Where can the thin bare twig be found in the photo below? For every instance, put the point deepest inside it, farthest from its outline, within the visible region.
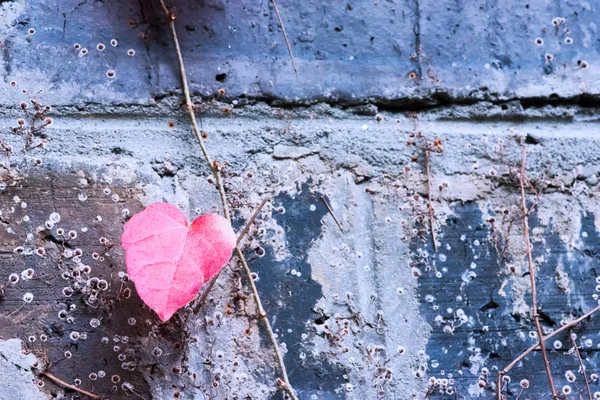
(68, 386)
(16, 311)
(430, 210)
(285, 36)
(202, 298)
(216, 170)
(262, 314)
(251, 220)
(330, 210)
(536, 315)
(520, 393)
(583, 371)
(535, 346)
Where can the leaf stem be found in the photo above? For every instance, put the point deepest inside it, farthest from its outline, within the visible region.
(216, 170)
(251, 220)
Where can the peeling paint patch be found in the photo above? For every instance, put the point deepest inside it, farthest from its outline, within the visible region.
(290, 294)
(478, 327)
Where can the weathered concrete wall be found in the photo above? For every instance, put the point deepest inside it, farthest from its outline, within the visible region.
(370, 312)
(348, 52)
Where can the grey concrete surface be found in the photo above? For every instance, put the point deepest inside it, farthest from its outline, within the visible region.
(18, 380)
(371, 311)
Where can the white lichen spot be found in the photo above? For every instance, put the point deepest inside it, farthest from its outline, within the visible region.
(54, 217)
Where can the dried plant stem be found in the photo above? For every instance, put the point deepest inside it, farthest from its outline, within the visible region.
(330, 210)
(430, 210)
(534, 308)
(499, 384)
(16, 311)
(520, 393)
(283, 384)
(535, 346)
(68, 386)
(583, 371)
(285, 36)
(251, 220)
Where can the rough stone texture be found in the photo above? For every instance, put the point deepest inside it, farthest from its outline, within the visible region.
(369, 311)
(17, 379)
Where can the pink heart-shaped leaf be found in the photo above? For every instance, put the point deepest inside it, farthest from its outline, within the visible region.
(168, 260)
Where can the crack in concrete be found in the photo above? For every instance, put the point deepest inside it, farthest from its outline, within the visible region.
(64, 30)
(574, 109)
(417, 33)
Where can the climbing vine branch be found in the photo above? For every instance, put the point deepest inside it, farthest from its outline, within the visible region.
(534, 308)
(283, 383)
(524, 184)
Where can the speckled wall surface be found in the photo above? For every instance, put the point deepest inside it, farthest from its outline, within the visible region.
(368, 311)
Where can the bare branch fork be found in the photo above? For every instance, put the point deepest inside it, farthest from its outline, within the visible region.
(524, 354)
(202, 298)
(283, 383)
